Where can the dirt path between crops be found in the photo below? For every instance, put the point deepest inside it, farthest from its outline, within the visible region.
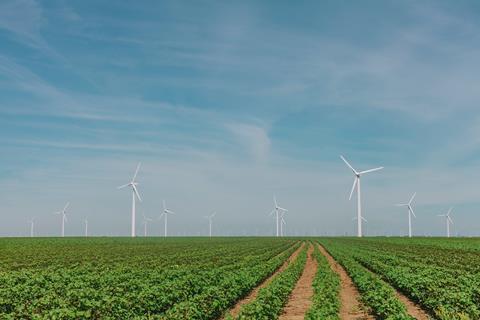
(300, 299)
(253, 295)
(412, 308)
(351, 307)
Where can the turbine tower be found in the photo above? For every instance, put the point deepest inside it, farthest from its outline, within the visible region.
(63, 213)
(448, 220)
(283, 224)
(32, 223)
(210, 218)
(410, 212)
(145, 224)
(133, 184)
(86, 228)
(356, 183)
(165, 213)
(277, 210)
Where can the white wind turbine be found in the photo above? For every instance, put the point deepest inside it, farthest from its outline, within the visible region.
(448, 220)
(283, 224)
(63, 213)
(86, 227)
(165, 213)
(356, 183)
(277, 210)
(410, 212)
(145, 224)
(133, 184)
(32, 224)
(210, 218)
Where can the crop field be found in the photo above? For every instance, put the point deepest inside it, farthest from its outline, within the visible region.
(239, 278)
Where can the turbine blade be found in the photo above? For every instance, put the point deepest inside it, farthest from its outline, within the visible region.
(66, 206)
(411, 210)
(136, 192)
(370, 170)
(364, 219)
(449, 211)
(353, 188)
(283, 209)
(136, 171)
(348, 164)
(272, 212)
(411, 199)
(450, 219)
(401, 204)
(123, 186)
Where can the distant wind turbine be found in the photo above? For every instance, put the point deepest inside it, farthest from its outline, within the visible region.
(277, 210)
(448, 220)
(356, 183)
(145, 224)
(210, 218)
(133, 184)
(410, 212)
(165, 213)
(86, 228)
(32, 223)
(63, 213)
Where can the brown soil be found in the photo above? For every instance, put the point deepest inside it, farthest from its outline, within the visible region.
(300, 299)
(253, 295)
(351, 306)
(412, 308)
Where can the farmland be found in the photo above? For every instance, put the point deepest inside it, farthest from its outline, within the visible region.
(238, 278)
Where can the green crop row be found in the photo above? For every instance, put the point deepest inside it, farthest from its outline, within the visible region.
(215, 299)
(449, 295)
(272, 298)
(126, 289)
(326, 286)
(375, 293)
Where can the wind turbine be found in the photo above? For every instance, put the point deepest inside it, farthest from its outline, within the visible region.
(282, 224)
(356, 183)
(86, 228)
(210, 217)
(448, 220)
(277, 210)
(145, 223)
(133, 184)
(165, 213)
(64, 217)
(410, 212)
(32, 223)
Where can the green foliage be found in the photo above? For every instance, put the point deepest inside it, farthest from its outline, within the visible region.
(326, 286)
(375, 293)
(272, 298)
(120, 278)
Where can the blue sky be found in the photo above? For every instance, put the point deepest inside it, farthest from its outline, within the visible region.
(227, 103)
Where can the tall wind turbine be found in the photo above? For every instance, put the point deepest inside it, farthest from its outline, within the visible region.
(356, 183)
(133, 184)
(410, 212)
(63, 213)
(210, 218)
(448, 220)
(86, 227)
(165, 213)
(277, 210)
(145, 224)
(32, 223)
